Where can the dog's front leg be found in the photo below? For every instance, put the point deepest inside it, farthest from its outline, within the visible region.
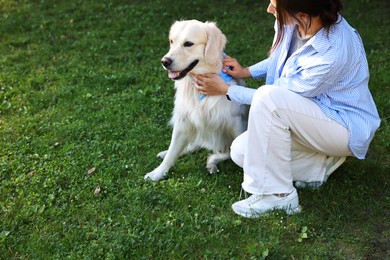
(178, 142)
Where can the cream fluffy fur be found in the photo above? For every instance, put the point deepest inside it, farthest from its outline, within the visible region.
(212, 122)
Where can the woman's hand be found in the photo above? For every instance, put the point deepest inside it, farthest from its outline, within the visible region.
(210, 84)
(234, 69)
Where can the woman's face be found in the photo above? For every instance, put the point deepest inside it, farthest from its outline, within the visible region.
(272, 10)
(272, 7)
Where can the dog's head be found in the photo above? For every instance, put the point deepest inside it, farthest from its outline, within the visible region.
(194, 46)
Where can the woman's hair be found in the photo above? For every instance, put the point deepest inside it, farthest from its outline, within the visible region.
(327, 10)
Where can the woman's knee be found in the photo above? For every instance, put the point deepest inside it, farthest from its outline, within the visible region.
(237, 150)
(270, 97)
(261, 99)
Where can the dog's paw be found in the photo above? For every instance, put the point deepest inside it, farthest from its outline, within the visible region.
(212, 168)
(155, 176)
(162, 154)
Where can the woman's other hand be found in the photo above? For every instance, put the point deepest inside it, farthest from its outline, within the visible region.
(234, 69)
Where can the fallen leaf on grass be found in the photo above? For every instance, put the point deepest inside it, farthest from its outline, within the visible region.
(97, 191)
(31, 174)
(92, 170)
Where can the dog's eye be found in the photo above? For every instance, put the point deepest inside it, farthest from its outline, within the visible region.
(188, 44)
(170, 41)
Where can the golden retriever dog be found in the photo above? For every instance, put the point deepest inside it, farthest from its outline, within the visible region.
(198, 121)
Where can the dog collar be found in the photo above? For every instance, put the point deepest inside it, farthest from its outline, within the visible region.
(226, 77)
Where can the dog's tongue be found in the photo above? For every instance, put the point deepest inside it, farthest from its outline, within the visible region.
(173, 74)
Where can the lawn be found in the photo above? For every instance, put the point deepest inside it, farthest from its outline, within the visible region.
(84, 110)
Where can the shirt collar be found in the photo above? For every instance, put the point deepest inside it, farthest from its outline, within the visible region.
(323, 40)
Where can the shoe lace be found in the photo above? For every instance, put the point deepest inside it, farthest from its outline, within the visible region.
(243, 192)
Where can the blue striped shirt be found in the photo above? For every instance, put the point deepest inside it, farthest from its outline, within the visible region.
(332, 70)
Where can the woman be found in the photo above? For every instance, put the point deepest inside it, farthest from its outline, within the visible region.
(314, 110)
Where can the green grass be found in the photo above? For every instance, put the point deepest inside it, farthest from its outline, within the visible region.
(81, 87)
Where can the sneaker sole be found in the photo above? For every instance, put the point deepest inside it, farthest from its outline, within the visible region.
(255, 214)
(311, 185)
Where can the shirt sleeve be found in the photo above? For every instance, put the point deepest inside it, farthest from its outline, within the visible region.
(259, 70)
(241, 95)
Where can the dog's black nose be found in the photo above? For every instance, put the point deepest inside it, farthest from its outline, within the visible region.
(166, 62)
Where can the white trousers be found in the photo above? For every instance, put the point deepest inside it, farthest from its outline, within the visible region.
(288, 139)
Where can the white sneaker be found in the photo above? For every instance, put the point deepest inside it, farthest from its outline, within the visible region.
(256, 205)
(332, 163)
(311, 184)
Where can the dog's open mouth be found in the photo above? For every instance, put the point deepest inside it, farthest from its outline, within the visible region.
(175, 75)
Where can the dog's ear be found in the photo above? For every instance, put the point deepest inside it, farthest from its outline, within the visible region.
(216, 42)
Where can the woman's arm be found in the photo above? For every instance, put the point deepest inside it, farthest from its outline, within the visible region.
(259, 70)
(241, 95)
(212, 84)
